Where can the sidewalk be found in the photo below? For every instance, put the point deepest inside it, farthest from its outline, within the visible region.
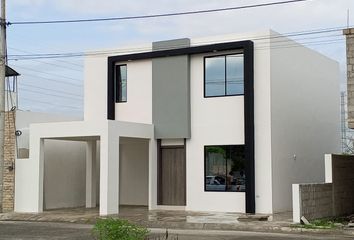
(178, 220)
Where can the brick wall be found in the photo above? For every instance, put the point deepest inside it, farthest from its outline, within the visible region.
(316, 200)
(349, 33)
(9, 160)
(343, 184)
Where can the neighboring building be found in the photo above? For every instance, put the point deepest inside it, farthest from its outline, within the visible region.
(224, 123)
(8, 143)
(349, 33)
(65, 161)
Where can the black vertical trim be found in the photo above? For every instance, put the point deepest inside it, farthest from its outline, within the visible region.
(117, 82)
(159, 169)
(185, 165)
(110, 90)
(249, 126)
(225, 76)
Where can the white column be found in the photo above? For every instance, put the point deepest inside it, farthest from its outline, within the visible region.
(41, 175)
(91, 174)
(109, 174)
(152, 174)
(296, 203)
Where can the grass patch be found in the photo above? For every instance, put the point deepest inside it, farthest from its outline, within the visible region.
(324, 223)
(114, 229)
(119, 229)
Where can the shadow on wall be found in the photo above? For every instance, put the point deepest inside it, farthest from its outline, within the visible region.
(64, 174)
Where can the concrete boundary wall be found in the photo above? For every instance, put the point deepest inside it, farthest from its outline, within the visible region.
(330, 199)
(313, 200)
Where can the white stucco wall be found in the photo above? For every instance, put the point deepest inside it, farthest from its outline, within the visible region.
(64, 164)
(95, 88)
(305, 105)
(138, 107)
(219, 121)
(212, 123)
(134, 172)
(95, 83)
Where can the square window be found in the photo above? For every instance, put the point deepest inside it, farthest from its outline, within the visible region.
(224, 75)
(225, 168)
(121, 83)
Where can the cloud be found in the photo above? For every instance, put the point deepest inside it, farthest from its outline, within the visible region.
(289, 17)
(78, 37)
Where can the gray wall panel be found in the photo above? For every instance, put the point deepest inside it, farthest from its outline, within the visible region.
(171, 93)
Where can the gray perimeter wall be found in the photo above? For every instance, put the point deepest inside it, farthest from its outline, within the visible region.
(316, 200)
(330, 199)
(343, 184)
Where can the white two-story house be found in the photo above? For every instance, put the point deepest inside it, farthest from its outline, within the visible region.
(224, 123)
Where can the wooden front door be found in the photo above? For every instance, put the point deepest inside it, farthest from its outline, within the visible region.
(172, 176)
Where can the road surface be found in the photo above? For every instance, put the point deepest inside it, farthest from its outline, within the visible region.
(63, 231)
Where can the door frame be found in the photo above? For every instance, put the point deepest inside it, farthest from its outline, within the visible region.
(159, 168)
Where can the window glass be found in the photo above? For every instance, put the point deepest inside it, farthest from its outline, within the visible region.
(234, 74)
(215, 76)
(224, 75)
(225, 168)
(121, 83)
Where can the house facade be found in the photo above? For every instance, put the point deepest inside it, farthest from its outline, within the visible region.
(224, 123)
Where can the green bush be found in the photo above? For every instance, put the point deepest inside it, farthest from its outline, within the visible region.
(118, 229)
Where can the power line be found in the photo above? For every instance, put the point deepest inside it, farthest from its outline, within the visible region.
(295, 45)
(52, 74)
(53, 80)
(53, 64)
(155, 15)
(49, 94)
(52, 104)
(126, 51)
(48, 89)
(56, 60)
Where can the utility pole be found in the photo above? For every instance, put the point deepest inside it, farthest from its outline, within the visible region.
(2, 93)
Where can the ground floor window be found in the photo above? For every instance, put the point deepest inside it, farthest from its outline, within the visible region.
(225, 168)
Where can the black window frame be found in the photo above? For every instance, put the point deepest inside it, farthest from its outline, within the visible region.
(205, 168)
(117, 84)
(204, 72)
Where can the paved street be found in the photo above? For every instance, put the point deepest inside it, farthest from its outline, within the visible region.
(44, 231)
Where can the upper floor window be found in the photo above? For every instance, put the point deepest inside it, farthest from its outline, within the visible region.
(223, 75)
(121, 83)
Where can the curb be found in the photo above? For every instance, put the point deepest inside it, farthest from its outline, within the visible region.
(261, 227)
(248, 228)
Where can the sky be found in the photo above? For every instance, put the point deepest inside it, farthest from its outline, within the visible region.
(56, 85)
